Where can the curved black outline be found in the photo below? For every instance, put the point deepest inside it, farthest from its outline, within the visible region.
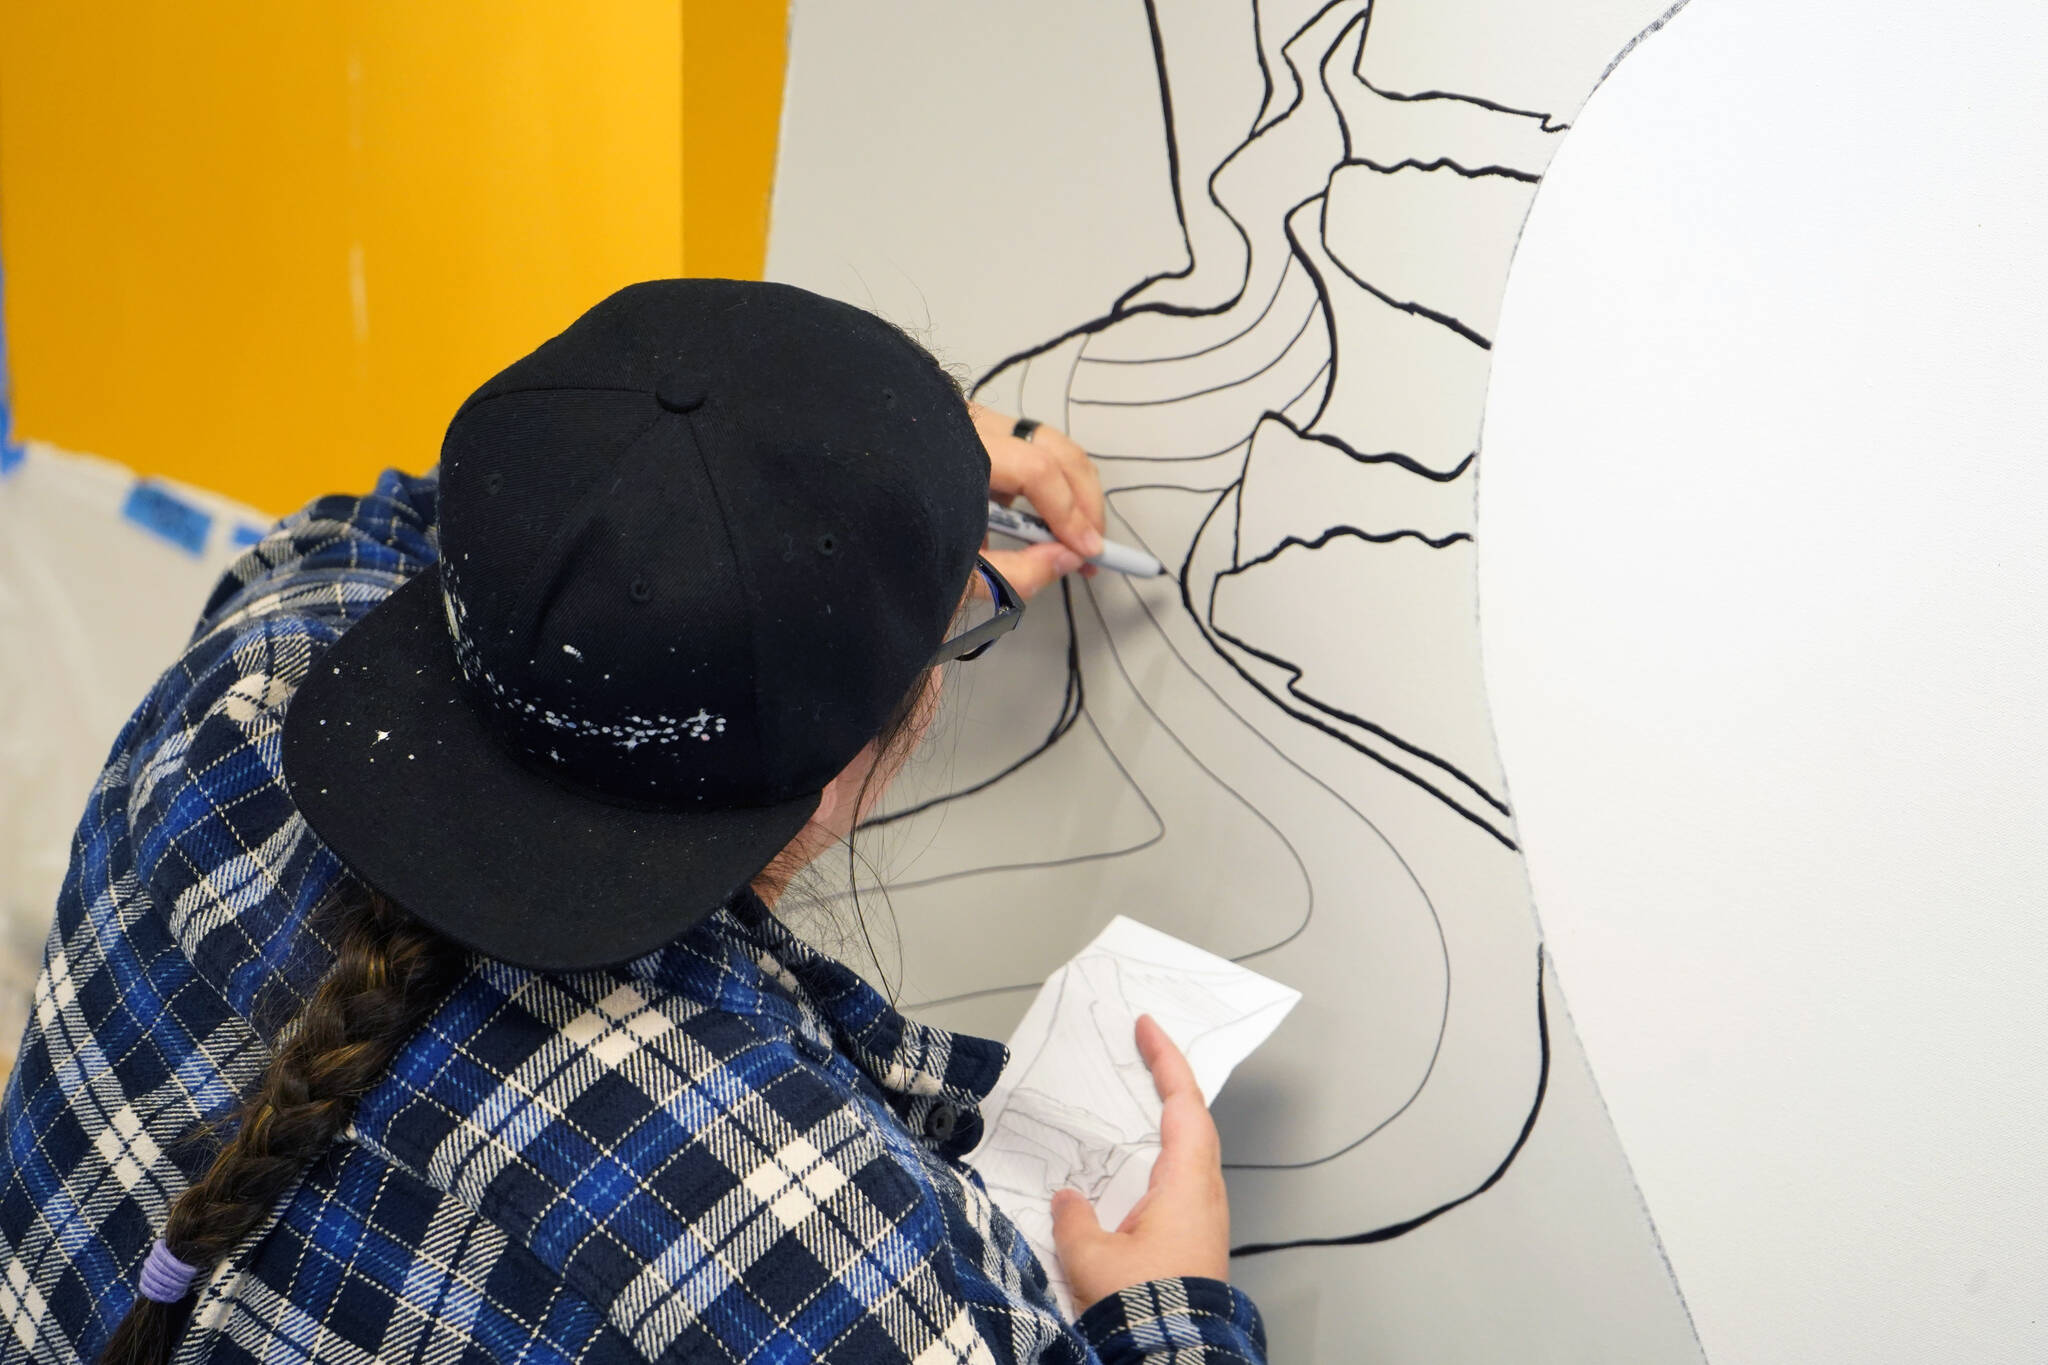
(1308, 914)
(1238, 567)
(1249, 328)
(1301, 866)
(1070, 711)
(1260, 121)
(1158, 833)
(1275, 414)
(1406, 462)
(1123, 307)
(1205, 622)
(1278, 356)
(1393, 1230)
(1128, 304)
(1410, 308)
(1544, 123)
(1428, 902)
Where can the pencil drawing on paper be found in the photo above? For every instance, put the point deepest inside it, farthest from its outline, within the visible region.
(1077, 1107)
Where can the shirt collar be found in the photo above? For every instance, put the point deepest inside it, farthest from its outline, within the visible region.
(933, 1079)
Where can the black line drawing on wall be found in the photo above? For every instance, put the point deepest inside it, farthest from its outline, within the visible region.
(1281, 751)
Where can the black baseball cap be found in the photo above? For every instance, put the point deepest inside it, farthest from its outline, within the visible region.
(695, 551)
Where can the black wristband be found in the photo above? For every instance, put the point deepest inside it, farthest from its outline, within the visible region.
(1025, 426)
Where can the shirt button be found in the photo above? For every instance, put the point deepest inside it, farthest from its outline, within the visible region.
(941, 1121)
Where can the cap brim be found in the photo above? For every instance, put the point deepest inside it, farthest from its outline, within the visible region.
(398, 775)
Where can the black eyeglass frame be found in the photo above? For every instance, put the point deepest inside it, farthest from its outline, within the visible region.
(974, 643)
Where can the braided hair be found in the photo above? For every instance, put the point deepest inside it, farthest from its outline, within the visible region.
(389, 973)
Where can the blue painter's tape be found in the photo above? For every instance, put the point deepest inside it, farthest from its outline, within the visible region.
(11, 453)
(245, 535)
(164, 513)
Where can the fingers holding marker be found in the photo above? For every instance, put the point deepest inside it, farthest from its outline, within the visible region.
(1035, 566)
(1081, 477)
(1050, 470)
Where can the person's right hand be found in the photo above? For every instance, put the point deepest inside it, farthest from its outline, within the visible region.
(1182, 1224)
(1064, 488)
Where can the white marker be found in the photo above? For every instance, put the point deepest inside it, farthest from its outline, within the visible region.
(1020, 525)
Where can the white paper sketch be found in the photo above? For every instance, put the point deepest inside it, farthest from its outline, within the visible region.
(1077, 1107)
(1281, 751)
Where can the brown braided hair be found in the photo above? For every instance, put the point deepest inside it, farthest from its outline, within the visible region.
(389, 973)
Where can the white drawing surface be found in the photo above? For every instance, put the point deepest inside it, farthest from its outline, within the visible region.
(1076, 1108)
(1251, 255)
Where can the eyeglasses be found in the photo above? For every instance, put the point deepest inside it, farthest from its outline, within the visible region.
(994, 618)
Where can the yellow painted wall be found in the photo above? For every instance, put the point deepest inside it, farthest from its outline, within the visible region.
(268, 248)
(733, 59)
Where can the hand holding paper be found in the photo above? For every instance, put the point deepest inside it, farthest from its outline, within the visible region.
(1078, 1107)
(1181, 1225)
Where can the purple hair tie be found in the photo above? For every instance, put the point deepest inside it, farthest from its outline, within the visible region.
(165, 1278)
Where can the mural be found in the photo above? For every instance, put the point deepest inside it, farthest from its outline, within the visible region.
(1280, 750)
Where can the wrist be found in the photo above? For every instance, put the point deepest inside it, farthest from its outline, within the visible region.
(1128, 1325)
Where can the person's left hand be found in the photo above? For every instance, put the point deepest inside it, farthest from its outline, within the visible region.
(1060, 480)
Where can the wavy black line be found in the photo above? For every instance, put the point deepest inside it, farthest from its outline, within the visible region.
(1442, 163)
(1376, 537)
(1205, 622)
(1393, 457)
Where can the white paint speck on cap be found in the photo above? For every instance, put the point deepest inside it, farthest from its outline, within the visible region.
(572, 651)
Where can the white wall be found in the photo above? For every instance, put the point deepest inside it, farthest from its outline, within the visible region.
(94, 605)
(1763, 519)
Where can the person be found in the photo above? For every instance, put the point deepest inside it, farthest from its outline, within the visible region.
(416, 990)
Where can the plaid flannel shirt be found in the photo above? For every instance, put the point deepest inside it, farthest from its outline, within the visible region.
(730, 1150)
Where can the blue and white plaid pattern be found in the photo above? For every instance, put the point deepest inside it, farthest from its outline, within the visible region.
(718, 1152)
